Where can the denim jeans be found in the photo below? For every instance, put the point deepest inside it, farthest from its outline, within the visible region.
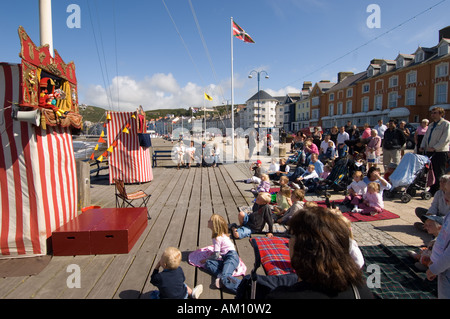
(224, 269)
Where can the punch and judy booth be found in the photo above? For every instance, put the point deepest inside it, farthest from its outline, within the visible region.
(38, 185)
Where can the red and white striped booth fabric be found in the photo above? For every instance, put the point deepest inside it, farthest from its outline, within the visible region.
(38, 183)
(128, 161)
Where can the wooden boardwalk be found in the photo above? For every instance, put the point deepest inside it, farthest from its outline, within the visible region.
(182, 201)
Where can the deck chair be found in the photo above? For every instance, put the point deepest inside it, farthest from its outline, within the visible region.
(124, 199)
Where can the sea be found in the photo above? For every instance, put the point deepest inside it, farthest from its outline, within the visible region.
(83, 149)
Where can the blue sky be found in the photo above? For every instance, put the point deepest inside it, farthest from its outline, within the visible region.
(132, 48)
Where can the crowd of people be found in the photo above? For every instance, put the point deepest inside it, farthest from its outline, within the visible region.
(326, 259)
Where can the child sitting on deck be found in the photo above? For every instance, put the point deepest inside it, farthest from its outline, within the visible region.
(297, 198)
(170, 281)
(225, 258)
(283, 200)
(355, 190)
(263, 187)
(372, 201)
(308, 180)
(256, 220)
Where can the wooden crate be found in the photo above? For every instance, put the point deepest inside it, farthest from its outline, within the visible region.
(100, 231)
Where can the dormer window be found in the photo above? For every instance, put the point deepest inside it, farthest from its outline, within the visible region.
(384, 68)
(443, 48)
(400, 63)
(370, 72)
(420, 56)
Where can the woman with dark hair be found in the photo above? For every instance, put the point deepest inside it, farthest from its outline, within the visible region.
(320, 254)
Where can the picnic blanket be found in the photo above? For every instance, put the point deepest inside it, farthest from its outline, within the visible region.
(357, 217)
(399, 279)
(195, 259)
(274, 255)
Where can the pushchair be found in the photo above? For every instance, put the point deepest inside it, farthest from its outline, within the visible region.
(410, 176)
(339, 178)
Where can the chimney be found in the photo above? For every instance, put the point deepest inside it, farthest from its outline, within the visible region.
(343, 75)
(307, 85)
(444, 33)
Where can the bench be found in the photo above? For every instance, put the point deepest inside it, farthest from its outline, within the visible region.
(161, 155)
(99, 168)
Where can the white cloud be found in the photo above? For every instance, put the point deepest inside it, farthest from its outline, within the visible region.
(160, 91)
(283, 91)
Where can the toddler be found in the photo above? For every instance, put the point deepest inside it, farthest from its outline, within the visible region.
(263, 187)
(225, 258)
(356, 190)
(170, 282)
(283, 200)
(372, 201)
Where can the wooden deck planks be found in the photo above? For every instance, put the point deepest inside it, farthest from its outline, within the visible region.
(181, 204)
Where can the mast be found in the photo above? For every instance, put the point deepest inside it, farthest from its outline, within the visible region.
(45, 24)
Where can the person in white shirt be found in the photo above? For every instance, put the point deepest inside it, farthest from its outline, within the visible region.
(341, 138)
(381, 128)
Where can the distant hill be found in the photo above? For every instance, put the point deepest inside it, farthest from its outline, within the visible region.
(97, 114)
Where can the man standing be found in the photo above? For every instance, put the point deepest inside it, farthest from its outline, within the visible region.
(392, 144)
(381, 128)
(436, 144)
(341, 146)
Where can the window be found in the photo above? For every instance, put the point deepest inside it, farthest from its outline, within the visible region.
(442, 70)
(393, 97)
(411, 77)
(410, 96)
(365, 104)
(315, 114)
(443, 49)
(315, 101)
(366, 88)
(340, 108)
(349, 92)
(441, 93)
(378, 102)
(400, 63)
(331, 98)
(331, 109)
(393, 81)
(420, 56)
(370, 72)
(349, 107)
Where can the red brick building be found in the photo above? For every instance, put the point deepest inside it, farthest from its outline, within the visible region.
(405, 88)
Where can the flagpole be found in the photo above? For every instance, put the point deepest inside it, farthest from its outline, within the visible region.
(232, 94)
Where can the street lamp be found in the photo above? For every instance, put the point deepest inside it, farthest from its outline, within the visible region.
(259, 78)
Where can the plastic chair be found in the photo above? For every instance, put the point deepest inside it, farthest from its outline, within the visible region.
(124, 199)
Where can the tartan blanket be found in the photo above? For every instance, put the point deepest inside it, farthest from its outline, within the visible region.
(273, 254)
(357, 217)
(398, 277)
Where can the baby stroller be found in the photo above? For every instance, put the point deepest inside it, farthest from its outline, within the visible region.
(410, 176)
(338, 180)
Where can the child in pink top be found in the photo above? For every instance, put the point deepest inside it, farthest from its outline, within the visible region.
(372, 201)
(225, 258)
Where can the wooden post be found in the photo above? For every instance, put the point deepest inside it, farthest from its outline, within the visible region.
(84, 184)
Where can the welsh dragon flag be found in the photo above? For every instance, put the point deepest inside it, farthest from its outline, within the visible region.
(239, 33)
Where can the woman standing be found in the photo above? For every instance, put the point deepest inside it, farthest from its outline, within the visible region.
(419, 134)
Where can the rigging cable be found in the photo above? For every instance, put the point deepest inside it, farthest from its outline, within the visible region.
(183, 42)
(368, 42)
(206, 48)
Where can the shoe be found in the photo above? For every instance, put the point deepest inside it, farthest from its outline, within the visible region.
(295, 185)
(356, 210)
(420, 267)
(197, 291)
(413, 254)
(217, 283)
